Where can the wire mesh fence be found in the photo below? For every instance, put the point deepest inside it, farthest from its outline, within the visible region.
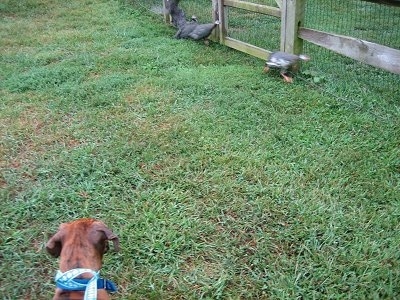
(365, 20)
(199, 8)
(155, 6)
(342, 76)
(264, 2)
(256, 29)
(202, 9)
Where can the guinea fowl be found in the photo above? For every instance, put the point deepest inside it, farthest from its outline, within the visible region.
(286, 62)
(188, 30)
(196, 31)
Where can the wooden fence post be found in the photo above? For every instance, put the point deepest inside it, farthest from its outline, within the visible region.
(292, 19)
(167, 18)
(223, 21)
(216, 17)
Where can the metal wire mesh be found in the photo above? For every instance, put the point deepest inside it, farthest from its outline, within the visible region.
(264, 2)
(257, 29)
(342, 76)
(202, 9)
(365, 20)
(155, 6)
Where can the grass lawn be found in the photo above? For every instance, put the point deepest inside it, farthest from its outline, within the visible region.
(220, 181)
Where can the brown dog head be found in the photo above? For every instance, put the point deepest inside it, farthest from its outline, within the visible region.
(81, 244)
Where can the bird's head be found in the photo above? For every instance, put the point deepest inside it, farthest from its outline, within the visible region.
(304, 57)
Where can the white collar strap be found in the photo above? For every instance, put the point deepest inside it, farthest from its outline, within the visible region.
(66, 281)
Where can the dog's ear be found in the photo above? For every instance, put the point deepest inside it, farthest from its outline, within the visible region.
(110, 236)
(54, 245)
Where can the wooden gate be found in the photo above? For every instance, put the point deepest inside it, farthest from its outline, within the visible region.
(290, 12)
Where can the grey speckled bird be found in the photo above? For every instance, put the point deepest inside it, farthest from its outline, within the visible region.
(188, 29)
(196, 31)
(286, 62)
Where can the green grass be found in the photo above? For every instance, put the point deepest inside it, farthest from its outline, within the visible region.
(221, 182)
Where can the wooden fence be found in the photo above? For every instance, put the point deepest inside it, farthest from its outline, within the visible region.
(293, 33)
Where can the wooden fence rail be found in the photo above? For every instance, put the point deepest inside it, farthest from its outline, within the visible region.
(370, 53)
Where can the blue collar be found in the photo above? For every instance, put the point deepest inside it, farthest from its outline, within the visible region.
(102, 283)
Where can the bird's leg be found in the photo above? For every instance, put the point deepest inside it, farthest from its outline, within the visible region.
(206, 42)
(178, 34)
(286, 78)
